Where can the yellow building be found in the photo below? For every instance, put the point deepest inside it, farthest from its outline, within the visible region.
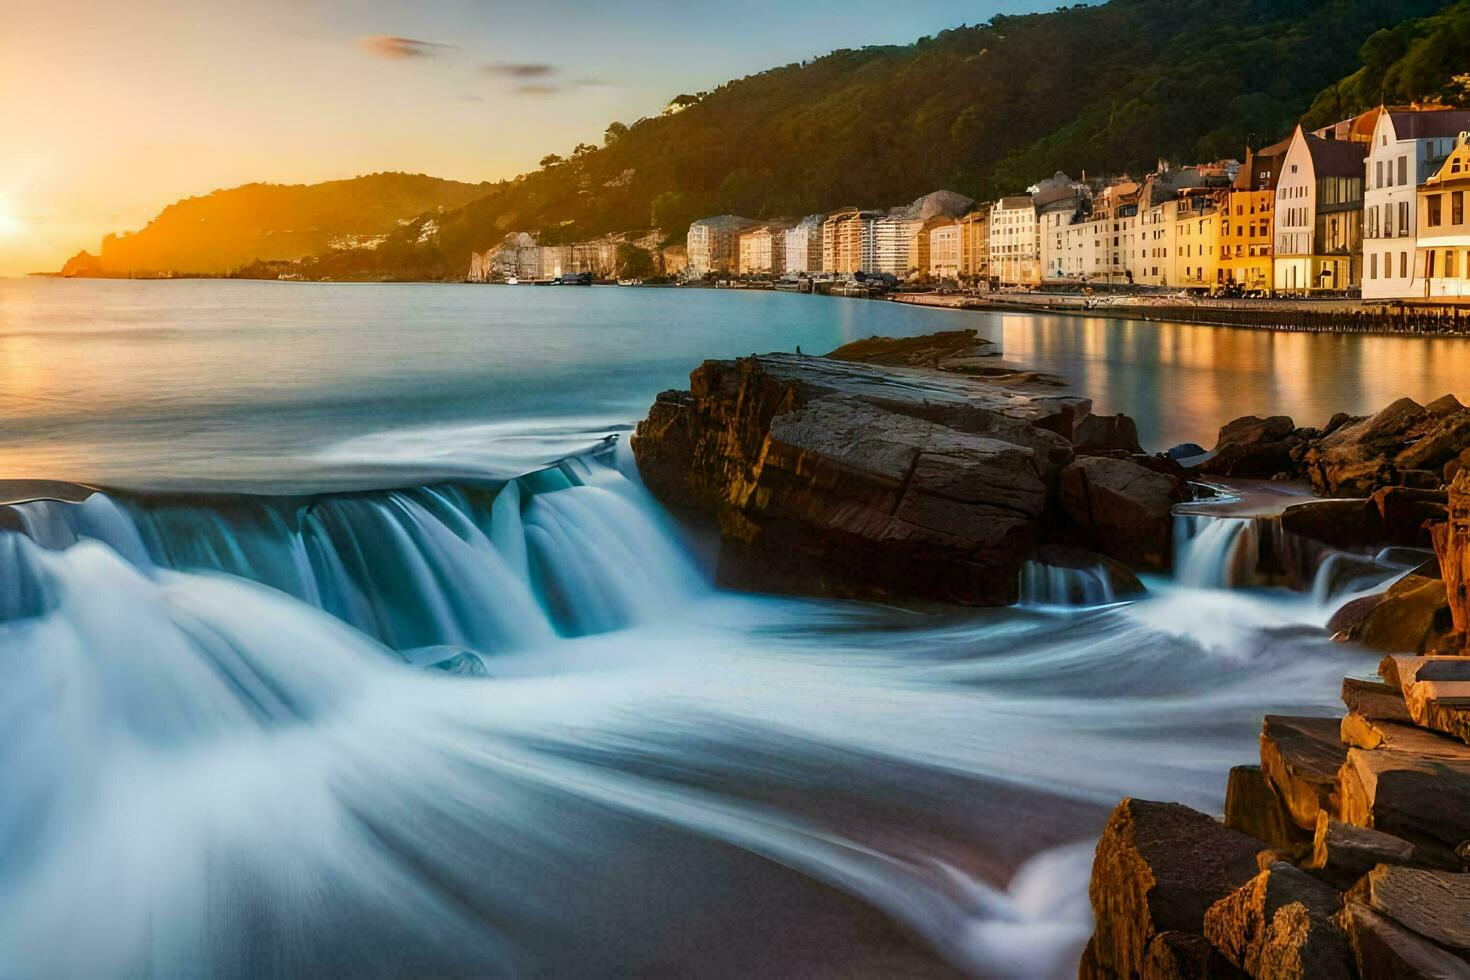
(847, 242)
(1245, 221)
(1442, 253)
(1197, 226)
(975, 243)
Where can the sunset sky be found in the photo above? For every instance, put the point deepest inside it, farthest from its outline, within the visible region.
(112, 110)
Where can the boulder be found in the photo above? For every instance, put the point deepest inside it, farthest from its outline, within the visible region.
(1356, 458)
(1415, 785)
(1384, 950)
(1121, 509)
(1302, 757)
(947, 350)
(1252, 806)
(1433, 904)
(1097, 434)
(1280, 925)
(1443, 406)
(1159, 867)
(855, 480)
(1374, 700)
(1185, 450)
(1342, 853)
(1349, 523)
(1451, 540)
(1253, 447)
(1172, 955)
(1436, 691)
(1439, 440)
(1406, 513)
(1411, 615)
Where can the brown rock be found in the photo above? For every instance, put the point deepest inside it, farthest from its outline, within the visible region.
(1172, 955)
(1374, 700)
(1341, 523)
(1415, 785)
(1159, 867)
(1357, 458)
(1452, 547)
(1280, 925)
(1252, 806)
(931, 350)
(1301, 757)
(1121, 509)
(1434, 904)
(1442, 440)
(1342, 853)
(1253, 447)
(1411, 615)
(1106, 433)
(1405, 513)
(1385, 950)
(1436, 691)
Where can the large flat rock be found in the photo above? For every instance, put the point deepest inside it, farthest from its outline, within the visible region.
(1384, 950)
(1432, 904)
(1302, 757)
(1415, 785)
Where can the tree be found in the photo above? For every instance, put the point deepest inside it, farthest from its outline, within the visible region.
(551, 160)
(614, 132)
(634, 262)
(582, 149)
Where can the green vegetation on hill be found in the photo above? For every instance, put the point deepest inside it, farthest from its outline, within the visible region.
(220, 232)
(1428, 58)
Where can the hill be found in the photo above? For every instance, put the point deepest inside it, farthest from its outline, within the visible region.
(220, 232)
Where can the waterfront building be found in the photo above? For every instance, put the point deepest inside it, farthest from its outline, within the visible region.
(1408, 147)
(847, 242)
(1442, 253)
(942, 251)
(1197, 226)
(763, 251)
(1319, 215)
(1106, 239)
(803, 246)
(1171, 205)
(714, 244)
(1015, 249)
(975, 243)
(1245, 220)
(896, 233)
(1059, 202)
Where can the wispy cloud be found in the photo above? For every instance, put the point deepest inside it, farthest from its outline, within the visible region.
(402, 48)
(509, 69)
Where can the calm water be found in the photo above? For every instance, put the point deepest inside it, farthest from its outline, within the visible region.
(261, 384)
(223, 753)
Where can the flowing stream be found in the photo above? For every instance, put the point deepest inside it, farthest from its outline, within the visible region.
(428, 702)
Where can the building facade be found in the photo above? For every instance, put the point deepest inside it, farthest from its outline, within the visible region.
(975, 243)
(893, 234)
(803, 246)
(763, 251)
(944, 248)
(847, 242)
(1408, 147)
(1015, 249)
(1319, 215)
(713, 244)
(1442, 253)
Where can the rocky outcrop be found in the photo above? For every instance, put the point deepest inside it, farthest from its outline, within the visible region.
(894, 469)
(1254, 447)
(1403, 444)
(1410, 615)
(1280, 925)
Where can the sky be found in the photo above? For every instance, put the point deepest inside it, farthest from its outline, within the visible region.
(110, 110)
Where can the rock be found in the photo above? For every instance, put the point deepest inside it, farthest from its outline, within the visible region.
(947, 350)
(1433, 904)
(1415, 785)
(1121, 509)
(1340, 523)
(1253, 447)
(1442, 406)
(1451, 541)
(1357, 731)
(832, 478)
(1172, 955)
(1374, 700)
(1405, 513)
(1301, 757)
(1280, 925)
(1411, 615)
(1159, 867)
(1106, 433)
(1337, 421)
(1441, 441)
(1356, 458)
(1385, 950)
(1252, 806)
(1342, 853)
(1451, 470)
(1185, 450)
(1436, 691)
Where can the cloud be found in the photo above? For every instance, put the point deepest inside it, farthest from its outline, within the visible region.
(538, 89)
(506, 69)
(401, 48)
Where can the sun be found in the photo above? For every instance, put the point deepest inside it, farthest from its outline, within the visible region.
(10, 223)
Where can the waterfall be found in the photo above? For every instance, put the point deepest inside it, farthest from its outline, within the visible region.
(1057, 585)
(1217, 552)
(573, 549)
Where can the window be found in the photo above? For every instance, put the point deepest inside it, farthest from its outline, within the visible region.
(1388, 221)
(1449, 263)
(1403, 265)
(1457, 208)
(1378, 175)
(1432, 213)
(1403, 170)
(1373, 266)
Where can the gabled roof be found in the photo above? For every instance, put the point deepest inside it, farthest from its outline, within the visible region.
(1428, 124)
(1455, 167)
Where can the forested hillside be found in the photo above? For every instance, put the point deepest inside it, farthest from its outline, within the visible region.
(220, 232)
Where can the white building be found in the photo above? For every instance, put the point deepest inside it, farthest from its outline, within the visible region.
(945, 251)
(714, 243)
(1442, 262)
(1015, 248)
(804, 245)
(895, 234)
(1407, 149)
(1059, 201)
(1319, 215)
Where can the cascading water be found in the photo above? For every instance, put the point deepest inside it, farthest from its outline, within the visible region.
(1056, 585)
(212, 708)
